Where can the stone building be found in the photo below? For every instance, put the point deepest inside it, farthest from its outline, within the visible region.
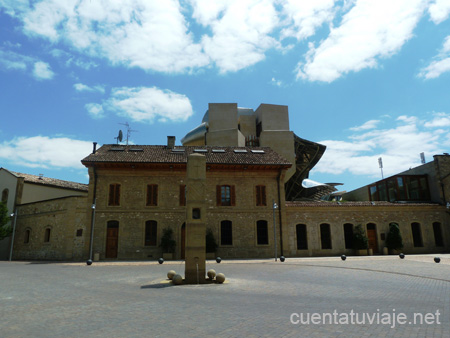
(35, 196)
(256, 204)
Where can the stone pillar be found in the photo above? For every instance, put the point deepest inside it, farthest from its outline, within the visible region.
(195, 267)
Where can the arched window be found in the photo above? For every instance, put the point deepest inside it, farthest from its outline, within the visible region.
(226, 233)
(302, 238)
(325, 236)
(348, 235)
(47, 235)
(417, 234)
(5, 195)
(262, 233)
(437, 230)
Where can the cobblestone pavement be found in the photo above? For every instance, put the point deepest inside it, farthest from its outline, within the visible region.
(261, 298)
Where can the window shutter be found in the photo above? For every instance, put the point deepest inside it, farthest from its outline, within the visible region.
(218, 196)
(233, 195)
(117, 197)
(111, 194)
(263, 195)
(182, 195)
(155, 195)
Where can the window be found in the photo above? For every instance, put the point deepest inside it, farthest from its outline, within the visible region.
(261, 195)
(114, 194)
(225, 195)
(196, 214)
(79, 232)
(150, 233)
(226, 233)
(152, 195)
(437, 230)
(5, 194)
(348, 235)
(26, 239)
(47, 235)
(325, 236)
(262, 234)
(417, 234)
(302, 238)
(182, 195)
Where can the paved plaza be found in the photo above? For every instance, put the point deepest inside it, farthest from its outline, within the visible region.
(378, 296)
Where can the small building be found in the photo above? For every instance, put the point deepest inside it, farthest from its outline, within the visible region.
(32, 197)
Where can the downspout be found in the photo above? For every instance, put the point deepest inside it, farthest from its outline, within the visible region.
(93, 215)
(279, 211)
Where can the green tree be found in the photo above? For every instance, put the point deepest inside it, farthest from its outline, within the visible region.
(394, 239)
(360, 240)
(4, 218)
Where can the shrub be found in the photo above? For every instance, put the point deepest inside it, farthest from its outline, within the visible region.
(167, 242)
(394, 239)
(211, 244)
(360, 240)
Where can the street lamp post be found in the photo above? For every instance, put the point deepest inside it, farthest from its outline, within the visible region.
(92, 231)
(13, 234)
(275, 206)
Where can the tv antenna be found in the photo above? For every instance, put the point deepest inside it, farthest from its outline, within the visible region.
(119, 137)
(129, 130)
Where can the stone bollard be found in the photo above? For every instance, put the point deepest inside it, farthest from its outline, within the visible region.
(220, 278)
(211, 274)
(177, 279)
(170, 274)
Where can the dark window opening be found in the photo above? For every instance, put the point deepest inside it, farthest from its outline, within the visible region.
(348, 235)
(417, 235)
(437, 230)
(262, 233)
(151, 230)
(261, 195)
(302, 237)
(79, 232)
(152, 195)
(47, 235)
(196, 213)
(325, 236)
(226, 233)
(27, 236)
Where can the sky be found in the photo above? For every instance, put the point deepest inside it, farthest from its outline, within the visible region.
(368, 79)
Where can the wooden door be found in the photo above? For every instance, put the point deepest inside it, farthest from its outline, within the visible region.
(183, 241)
(372, 236)
(112, 241)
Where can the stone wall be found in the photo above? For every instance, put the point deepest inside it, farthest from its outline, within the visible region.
(381, 215)
(64, 217)
(133, 213)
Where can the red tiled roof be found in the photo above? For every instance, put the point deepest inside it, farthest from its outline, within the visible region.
(162, 154)
(53, 182)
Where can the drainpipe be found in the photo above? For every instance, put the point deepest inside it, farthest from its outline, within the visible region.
(93, 215)
(279, 210)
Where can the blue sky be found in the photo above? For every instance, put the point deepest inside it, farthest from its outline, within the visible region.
(368, 79)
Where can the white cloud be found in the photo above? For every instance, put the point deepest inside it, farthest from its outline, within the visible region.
(152, 35)
(368, 125)
(439, 10)
(45, 152)
(440, 120)
(95, 110)
(399, 147)
(10, 60)
(304, 17)
(85, 88)
(440, 65)
(370, 30)
(144, 105)
(276, 82)
(240, 31)
(42, 71)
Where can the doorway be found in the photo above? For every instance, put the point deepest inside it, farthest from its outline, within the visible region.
(372, 236)
(112, 239)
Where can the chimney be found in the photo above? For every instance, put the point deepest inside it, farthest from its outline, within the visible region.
(95, 148)
(171, 142)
